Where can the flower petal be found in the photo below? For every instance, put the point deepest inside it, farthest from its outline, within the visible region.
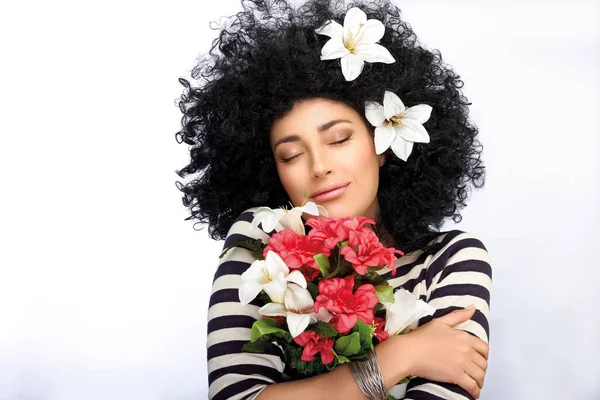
(273, 310)
(256, 272)
(322, 211)
(275, 264)
(298, 298)
(267, 217)
(374, 31)
(355, 23)
(297, 323)
(322, 315)
(334, 48)
(352, 66)
(402, 148)
(405, 310)
(392, 105)
(293, 220)
(372, 52)
(374, 113)
(297, 277)
(310, 208)
(248, 291)
(260, 214)
(276, 289)
(420, 113)
(384, 137)
(332, 29)
(412, 130)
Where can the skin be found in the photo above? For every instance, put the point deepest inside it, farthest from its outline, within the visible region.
(435, 350)
(320, 161)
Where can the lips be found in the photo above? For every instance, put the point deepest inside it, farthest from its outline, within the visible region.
(329, 188)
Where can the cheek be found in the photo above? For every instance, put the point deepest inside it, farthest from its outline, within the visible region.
(292, 183)
(364, 160)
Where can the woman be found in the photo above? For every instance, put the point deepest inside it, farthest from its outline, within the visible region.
(290, 106)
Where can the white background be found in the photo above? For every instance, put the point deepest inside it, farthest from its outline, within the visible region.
(103, 285)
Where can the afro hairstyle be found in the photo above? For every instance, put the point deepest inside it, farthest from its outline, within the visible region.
(265, 59)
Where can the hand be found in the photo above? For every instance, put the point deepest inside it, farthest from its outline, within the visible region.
(439, 352)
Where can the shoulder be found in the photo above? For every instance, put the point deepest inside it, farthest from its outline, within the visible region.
(448, 244)
(242, 229)
(459, 254)
(459, 273)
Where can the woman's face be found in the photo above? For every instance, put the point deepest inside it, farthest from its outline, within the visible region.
(320, 143)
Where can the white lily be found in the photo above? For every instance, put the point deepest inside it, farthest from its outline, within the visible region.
(270, 275)
(297, 308)
(406, 309)
(354, 43)
(280, 219)
(397, 126)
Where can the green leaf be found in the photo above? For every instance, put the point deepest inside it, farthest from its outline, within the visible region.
(323, 262)
(260, 346)
(264, 297)
(390, 397)
(405, 380)
(266, 326)
(348, 345)
(255, 246)
(385, 293)
(373, 278)
(341, 359)
(312, 289)
(325, 329)
(365, 333)
(360, 356)
(342, 244)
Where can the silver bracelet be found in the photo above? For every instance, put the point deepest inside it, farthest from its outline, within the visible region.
(369, 378)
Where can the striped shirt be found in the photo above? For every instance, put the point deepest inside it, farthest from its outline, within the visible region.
(455, 274)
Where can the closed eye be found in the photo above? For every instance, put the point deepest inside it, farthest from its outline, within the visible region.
(338, 143)
(343, 140)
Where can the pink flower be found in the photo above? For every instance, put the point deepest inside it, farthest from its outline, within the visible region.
(314, 344)
(364, 250)
(335, 295)
(380, 333)
(296, 251)
(331, 231)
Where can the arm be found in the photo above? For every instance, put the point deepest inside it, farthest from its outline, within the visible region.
(339, 383)
(233, 374)
(458, 275)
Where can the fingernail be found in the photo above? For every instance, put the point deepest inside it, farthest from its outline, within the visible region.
(470, 307)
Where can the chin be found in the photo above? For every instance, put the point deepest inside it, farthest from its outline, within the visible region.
(337, 209)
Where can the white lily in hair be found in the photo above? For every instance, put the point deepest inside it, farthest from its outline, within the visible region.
(297, 308)
(270, 275)
(397, 126)
(280, 219)
(406, 309)
(354, 43)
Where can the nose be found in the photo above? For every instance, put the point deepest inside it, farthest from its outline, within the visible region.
(320, 165)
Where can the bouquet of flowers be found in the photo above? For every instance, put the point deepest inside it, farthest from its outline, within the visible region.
(325, 304)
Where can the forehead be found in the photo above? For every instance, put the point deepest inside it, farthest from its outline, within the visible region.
(307, 115)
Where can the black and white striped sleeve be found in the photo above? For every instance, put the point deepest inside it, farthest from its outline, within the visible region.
(233, 374)
(458, 275)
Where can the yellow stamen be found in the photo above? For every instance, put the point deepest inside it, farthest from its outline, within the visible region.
(396, 120)
(352, 44)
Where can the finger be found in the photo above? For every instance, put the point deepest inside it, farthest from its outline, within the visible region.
(479, 360)
(457, 316)
(475, 372)
(480, 346)
(469, 384)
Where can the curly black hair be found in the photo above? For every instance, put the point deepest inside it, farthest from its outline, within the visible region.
(268, 59)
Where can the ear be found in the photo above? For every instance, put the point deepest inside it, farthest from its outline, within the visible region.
(382, 159)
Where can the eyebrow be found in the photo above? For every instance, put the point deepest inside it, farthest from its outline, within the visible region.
(320, 129)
